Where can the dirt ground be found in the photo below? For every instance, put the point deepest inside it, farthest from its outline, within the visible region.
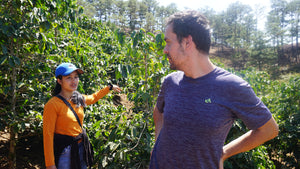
(29, 152)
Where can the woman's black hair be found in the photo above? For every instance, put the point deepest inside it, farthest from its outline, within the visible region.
(77, 98)
(57, 88)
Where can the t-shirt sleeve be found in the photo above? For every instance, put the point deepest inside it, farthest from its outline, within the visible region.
(248, 107)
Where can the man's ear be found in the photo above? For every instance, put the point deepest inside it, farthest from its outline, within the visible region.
(188, 41)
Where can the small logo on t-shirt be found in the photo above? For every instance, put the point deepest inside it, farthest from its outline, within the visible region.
(208, 100)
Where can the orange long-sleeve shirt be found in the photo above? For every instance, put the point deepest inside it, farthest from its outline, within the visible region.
(58, 118)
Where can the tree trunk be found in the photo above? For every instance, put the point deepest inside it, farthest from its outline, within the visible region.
(292, 54)
(12, 157)
(297, 42)
(297, 53)
(146, 78)
(12, 146)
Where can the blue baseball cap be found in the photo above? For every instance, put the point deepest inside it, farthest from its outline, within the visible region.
(65, 69)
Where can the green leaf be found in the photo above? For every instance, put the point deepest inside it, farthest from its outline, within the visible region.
(45, 26)
(3, 59)
(124, 71)
(151, 34)
(17, 60)
(4, 49)
(11, 62)
(112, 135)
(104, 161)
(133, 132)
(76, 32)
(80, 10)
(98, 133)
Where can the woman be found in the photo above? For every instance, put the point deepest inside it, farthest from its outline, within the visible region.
(65, 142)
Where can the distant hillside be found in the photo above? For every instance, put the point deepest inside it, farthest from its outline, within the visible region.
(287, 62)
(291, 53)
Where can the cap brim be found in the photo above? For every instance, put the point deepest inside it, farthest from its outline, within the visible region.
(79, 71)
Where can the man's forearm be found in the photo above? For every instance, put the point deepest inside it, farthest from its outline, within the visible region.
(251, 139)
(158, 121)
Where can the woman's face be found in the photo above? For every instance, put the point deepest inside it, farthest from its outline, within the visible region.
(70, 82)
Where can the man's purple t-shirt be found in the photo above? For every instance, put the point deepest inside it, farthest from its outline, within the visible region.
(198, 114)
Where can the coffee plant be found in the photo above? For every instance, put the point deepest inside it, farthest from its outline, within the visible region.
(36, 36)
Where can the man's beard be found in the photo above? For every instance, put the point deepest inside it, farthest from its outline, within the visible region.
(172, 65)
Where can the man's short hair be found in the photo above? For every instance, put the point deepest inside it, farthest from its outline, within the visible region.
(192, 23)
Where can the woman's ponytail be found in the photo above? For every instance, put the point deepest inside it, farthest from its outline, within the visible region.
(57, 88)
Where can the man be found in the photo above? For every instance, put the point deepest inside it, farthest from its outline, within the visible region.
(198, 104)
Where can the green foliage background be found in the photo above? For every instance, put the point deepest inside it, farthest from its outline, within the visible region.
(36, 36)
